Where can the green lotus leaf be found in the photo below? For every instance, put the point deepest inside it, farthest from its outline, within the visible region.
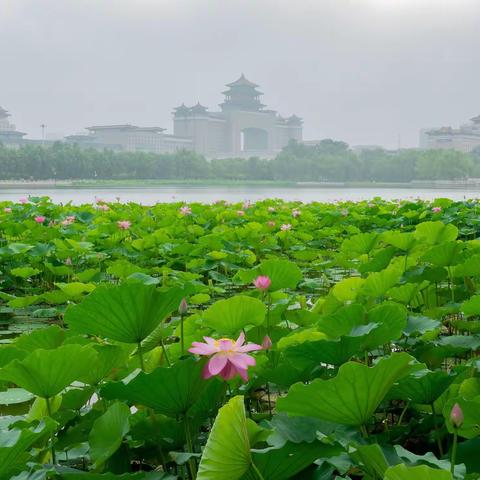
(46, 373)
(471, 412)
(352, 396)
(47, 338)
(127, 313)
(422, 472)
(171, 390)
(107, 433)
(234, 314)
(15, 446)
(226, 455)
(282, 273)
(445, 254)
(432, 233)
(423, 386)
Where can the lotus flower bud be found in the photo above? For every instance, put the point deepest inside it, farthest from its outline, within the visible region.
(267, 343)
(183, 307)
(456, 416)
(262, 282)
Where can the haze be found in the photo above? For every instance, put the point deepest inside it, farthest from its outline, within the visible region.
(363, 71)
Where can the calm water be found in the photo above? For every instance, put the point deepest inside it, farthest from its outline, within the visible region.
(185, 193)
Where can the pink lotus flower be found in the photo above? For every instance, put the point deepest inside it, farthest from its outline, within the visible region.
(262, 282)
(285, 227)
(7, 210)
(240, 213)
(68, 261)
(185, 210)
(40, 219)
(247, 204)
(183, 307)
(104, 207)
(436, 209)
(456, 416)
(228, 357)
(267, 343)
(99, 200)
(271, 223)
(23, 200)
(296, 213)
(124, 224)
(69, 220)
(344, 212)
(271, 209)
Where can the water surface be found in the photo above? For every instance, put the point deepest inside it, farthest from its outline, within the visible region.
(209, 194)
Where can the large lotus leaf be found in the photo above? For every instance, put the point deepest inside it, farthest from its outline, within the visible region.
(15, 446)
(471, 412)
(435, 232)
(282, 273)
(47, 372)
(47, 338)
(470, 268)
(9, 353)
(107, 433)
(428, 459)
(234, 314)
(444, 255)
(347, 290)
(332, 352)
(372, 458)
(359, 244)
(343, 321)
(404, 241)
(168, 390)
(471, 306)
(423, 386)
(422, 472)
(391, 319)
(127, 313)
(226, 455)
(352, 396)
(379, 261)
(109, 358)
(289, 460)
(378, 283)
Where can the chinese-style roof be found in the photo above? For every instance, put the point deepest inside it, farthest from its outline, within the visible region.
(3, 113)
(181, 110)
(242, 82)
(294, 120)
(476, 119)
(198, 108)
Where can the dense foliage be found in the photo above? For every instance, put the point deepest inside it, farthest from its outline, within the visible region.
(328, 161)
(365, 318)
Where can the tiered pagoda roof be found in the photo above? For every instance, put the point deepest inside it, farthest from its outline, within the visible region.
(242, 95)
(4, 113)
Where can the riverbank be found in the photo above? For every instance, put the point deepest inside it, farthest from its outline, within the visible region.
(470, 184)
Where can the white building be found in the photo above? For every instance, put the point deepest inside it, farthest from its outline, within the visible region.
(464, 139)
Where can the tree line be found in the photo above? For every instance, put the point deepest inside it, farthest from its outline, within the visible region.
(328, 161)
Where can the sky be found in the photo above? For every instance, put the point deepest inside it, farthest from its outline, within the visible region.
(368, 72)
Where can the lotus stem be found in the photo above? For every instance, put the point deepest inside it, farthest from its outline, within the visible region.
(453, 456)
(257, 472)
(52, 435)
(437, 432)
(140, 356)
(188, 437)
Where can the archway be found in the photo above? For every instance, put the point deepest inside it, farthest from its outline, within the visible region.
(253, 139)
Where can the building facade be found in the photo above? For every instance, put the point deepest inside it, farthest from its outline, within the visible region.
(130, 138)
(242, 127)
(9, 135)
(464, 139)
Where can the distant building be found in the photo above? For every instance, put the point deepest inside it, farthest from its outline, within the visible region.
(242, 128)
(9, 135)
(464, 139)
(130, 138)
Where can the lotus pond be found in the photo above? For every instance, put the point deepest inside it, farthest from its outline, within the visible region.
(266, 341)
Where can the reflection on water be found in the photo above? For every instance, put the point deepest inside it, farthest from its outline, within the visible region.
(209, 194)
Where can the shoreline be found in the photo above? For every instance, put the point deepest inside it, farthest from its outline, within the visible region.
(145, 184)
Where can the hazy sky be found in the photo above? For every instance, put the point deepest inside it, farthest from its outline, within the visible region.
(364, 71)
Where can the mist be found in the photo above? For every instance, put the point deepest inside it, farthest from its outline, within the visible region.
(362, 71)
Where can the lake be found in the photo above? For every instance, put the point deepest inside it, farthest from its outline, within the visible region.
(209, 194)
